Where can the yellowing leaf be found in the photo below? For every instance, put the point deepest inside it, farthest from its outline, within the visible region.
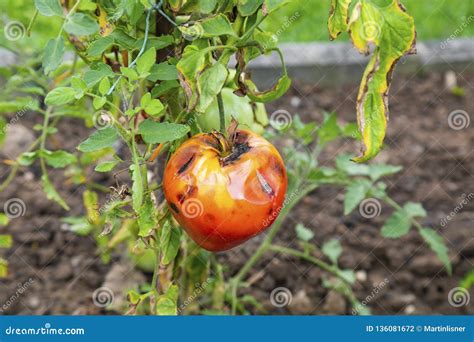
(106, 27)
(338, 17)
(392, 31)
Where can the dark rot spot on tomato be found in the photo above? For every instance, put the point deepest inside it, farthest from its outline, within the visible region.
(237, 152)
(265, 186)
(211, 142)
(186, 164)
(190, 191)
(277, 166)
(241, 137)
(174, 207)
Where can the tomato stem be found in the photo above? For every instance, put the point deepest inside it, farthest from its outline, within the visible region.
(220, 104)
(266, 244)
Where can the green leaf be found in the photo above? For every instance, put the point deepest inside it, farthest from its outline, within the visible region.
(3, 268)
(210, 27)
(3, 219)
(145, 100)
(273, 5)
(397, 225)
(167, 304)
(160, 132)
(467, 280)
(146, 61)
(99, 102)
(355, 193)
(192, 62)
(377, 171)
(91, 203)
(60, 96)
(437, 245)
(94, 76)
(22, 104)
(332, 249)
(137, 186)
(392, 31)
(49, 7)
(81, 24)
(414, 209)
(78, 225)
(154, 108)
(163, 72)
(99, 46)
(210, 84)
(329, 129)
(153, 42)
(98, 140)
(163, 88)
(348, 275)
(104, 86)
(27, 158)
(169, 242)
(338, 17)
(344, 163)
(275, 92)
(5, 241)
(58, 159)
(303, 233)
(106, 166)
(146, 217)
(400, 222)
(78, 84)
(129, 73)
(151, 106)
(51, 192)
(248, 7)
(54, 54)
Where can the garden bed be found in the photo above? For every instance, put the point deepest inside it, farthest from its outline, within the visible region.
(438, 169)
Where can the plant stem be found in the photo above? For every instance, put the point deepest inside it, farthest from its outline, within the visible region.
(267, 242)
(142, 49)
(42, 138)
(14, 169)
(220, 104)
(396, 206)
(154, 282)
(224, 58)
(32, 21)
(108, 102)
(318, 262)
(73, 9)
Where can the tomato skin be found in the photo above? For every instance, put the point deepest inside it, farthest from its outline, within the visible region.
(223, 201)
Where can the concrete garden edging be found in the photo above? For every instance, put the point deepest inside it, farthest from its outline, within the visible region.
(329, 63)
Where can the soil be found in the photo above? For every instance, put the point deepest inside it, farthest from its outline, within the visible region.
(400, 276)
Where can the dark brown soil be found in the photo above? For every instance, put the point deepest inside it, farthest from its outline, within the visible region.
(438, 169)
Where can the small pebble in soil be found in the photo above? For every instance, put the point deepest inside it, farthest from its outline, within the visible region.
(410, 309)
(450, 80)
(361, 275)
(18, 139)
(295, 101)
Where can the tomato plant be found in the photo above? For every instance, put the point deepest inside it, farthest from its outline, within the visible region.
(154, 78)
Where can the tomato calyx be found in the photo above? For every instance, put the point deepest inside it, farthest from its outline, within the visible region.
(232, 145)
